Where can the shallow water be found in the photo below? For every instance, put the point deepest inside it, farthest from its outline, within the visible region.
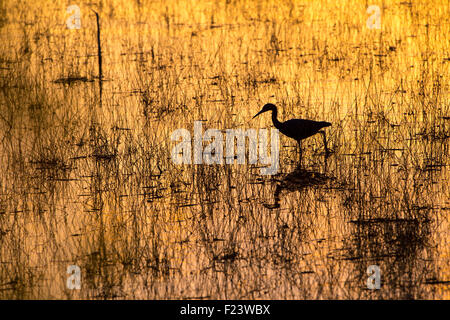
(87, 177)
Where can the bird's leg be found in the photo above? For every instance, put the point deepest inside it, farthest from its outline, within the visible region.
(300, 153)
(327, 152)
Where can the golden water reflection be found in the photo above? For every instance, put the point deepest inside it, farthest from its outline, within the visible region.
(90, 182)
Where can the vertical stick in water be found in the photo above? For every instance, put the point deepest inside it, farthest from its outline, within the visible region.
(99, 55)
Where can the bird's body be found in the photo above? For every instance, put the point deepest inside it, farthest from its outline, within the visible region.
(297, 129)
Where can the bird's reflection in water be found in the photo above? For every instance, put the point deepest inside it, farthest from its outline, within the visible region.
(297, 180)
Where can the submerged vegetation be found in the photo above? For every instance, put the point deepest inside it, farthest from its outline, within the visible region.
(87, 179)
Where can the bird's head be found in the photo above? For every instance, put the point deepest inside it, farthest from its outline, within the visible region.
(267, 107)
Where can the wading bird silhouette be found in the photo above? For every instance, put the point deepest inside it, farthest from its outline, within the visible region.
(297, 129)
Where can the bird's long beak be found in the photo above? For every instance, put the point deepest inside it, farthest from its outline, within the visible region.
(257, 114)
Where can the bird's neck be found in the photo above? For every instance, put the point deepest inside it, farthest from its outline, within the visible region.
(275, 121)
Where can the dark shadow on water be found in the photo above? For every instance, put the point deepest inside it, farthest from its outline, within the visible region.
(297, 180)
(397, 246)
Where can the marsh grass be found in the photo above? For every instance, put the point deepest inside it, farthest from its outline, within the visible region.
(88, 180)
